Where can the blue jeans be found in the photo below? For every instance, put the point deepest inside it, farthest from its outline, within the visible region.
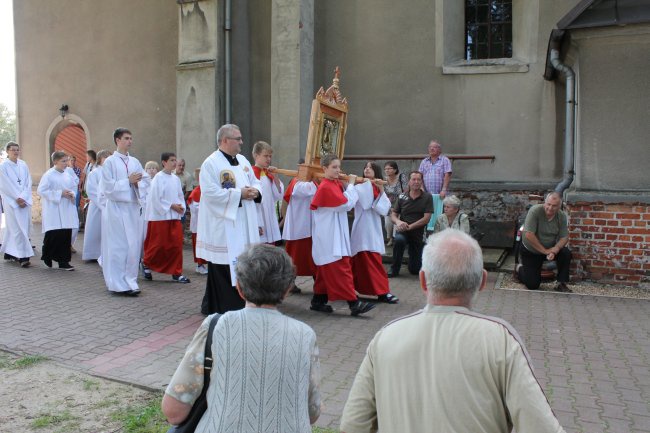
(415, 245)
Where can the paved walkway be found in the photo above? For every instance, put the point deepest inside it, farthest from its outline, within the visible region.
(591, 354)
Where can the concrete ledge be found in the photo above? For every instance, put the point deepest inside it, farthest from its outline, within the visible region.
(487, 66)
(465, 185)
(642, 197)
(195, 65)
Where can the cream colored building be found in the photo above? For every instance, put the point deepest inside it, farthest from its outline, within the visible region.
(173, 71)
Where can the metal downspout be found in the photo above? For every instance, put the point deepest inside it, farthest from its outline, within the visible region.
(569, 126)
(227, 61)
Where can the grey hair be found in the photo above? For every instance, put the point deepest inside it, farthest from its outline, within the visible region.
(225, 129)
(452, 263)
(553, 194)
(451, 200)
(264, 274)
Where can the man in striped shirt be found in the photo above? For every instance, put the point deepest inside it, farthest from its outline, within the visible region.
(436, 169)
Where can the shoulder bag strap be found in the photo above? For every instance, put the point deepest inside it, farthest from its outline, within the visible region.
(207, 362)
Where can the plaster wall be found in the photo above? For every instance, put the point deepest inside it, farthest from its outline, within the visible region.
(113, 63)
(400, 98)
(613, 107)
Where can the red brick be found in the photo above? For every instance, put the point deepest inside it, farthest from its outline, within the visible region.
(618, 208)
(626, 223)
(606, 215)
(637, 239)
(599, 236)
(588, 221)
(615, 230)
(646, 216)
(640, 224)
(628, 216)
(613, 223)
(636, 252)
(624, 245)
(611, 237)
(635, 231)
(635, 265)
(600, 222)
(624, 238)
(624, 252)
(598, 263)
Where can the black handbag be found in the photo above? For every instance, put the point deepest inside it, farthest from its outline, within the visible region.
(201, 404)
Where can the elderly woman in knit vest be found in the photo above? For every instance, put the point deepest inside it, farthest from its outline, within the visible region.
(451, 216)
(266, 373)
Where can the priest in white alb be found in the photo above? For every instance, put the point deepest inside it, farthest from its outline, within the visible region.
(122, 223)
(92, 249)
(57, 189)
(228, 218)
(16, 193)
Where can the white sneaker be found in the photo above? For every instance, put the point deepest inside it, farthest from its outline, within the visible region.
(201, 270)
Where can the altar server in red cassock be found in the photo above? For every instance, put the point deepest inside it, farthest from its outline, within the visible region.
(163, 246)
(297, 226)
(193, 202)
(367, 239)
(272, 190)
(331, 241)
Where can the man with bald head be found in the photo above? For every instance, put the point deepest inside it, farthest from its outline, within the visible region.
(446, 368)
(545, 237)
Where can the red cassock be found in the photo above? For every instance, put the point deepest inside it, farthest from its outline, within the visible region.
(163, 247)
(334, 278)
(300, 253)
(369, 274)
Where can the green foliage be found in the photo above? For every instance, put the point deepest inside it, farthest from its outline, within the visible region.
(7, 125)
(90, 385)
(142, 419)
(28, 361)
(47, 420)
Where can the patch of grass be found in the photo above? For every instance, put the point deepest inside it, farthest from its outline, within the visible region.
(147, 418)
(47, 420)
(28, 361)
(323, 430)
(90, 385)
(104, 403)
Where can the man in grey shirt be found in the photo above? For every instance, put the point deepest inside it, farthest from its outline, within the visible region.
(545, 237)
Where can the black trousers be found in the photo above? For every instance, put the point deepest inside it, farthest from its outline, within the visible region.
(56, 245)
(530, 272)
(220, 295)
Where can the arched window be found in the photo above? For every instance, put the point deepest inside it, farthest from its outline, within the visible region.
(488, 29)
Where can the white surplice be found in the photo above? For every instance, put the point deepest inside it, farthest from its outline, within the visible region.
(194, 215)
(225, 228)
(165, 191)
(93, 228)
(59, 212)
(266, 210)
(297, 221)
(71, 173)
(15, 183)
(330, 230)
(122, 223)
(366, 228)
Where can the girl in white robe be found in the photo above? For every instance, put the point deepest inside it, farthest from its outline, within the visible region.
(92, 248)
(57, 190)
(367, 241)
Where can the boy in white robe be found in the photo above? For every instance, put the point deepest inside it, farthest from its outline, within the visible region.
(272, 191)
(228, 218)
(92, 248)
(331, 241)
(16, 195)
(57, 189)
(163, 246)
(193, 202)
(122, 223)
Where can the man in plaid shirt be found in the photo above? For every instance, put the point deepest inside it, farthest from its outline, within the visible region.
(437, 170)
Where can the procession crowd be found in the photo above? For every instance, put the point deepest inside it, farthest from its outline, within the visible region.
(469, 372)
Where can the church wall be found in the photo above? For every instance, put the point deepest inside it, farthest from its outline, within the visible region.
(113, 64)
(400, 97)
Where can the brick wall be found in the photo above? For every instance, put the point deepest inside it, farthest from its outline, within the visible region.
(610, 242)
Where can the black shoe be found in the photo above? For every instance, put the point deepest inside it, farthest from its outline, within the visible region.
(177, 278)
(146, 273)
(563, 288)
(392, 274)
(66, 267)
(361, 307)
(323, 308)
(24, 263)
(388, 298)
(48, 262)
(133, 293)
(295, 290)
(9, 257)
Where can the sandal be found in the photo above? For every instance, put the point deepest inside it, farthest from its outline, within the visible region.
(388, 298)
(323, 308)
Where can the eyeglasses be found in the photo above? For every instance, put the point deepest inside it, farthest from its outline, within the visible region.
(236, 138)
